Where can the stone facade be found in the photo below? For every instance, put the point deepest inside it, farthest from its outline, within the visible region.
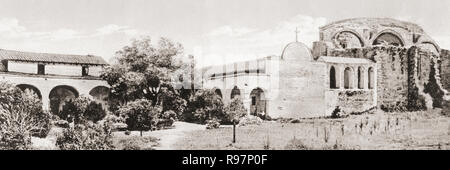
(53, 78)
(357, 65)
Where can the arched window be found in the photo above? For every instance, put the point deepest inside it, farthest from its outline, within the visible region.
(360, 78)
(371, 78)
(235, 92)
(348, 78)
(218, 92)
(333, 82)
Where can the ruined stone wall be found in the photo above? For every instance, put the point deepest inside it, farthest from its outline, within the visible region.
(352, 101)
(445, 69)
(392, 73)
(408, 79)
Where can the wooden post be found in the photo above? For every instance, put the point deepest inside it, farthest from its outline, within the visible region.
(234, 132)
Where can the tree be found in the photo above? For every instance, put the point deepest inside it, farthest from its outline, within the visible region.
(81, 109)
(21, 116)
(203, 106)
(144, 70)
(234, 111)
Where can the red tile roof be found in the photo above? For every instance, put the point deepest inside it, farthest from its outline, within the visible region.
(12, 55)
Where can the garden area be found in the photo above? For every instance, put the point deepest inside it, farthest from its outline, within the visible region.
(370, 131)
(144, 101)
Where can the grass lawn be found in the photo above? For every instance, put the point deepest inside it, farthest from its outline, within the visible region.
(408, 130)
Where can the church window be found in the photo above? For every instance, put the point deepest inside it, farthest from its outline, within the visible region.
(348, 78)
(333, 83)
(371, 78)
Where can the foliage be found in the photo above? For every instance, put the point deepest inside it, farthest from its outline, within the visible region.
(142, 78)
(81, 109)
(296, 144)
(234, 111)
(204, 105)
(137, 143)
(433, 88)
(140, 114)
(212, 124)
(21, 116)
(143, 70)
(166, 119)
(90, 136)
(94, 112)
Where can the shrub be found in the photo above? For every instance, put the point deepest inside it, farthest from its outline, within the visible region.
(234, 111)
(204, 105)
(166, 119)
(86, 137)
(137, 143)
(81, 109)
(250, 120)
(140, 114)
(212, 124)
(94, 112)
(336, 113)
(296, 144)
(21, 116)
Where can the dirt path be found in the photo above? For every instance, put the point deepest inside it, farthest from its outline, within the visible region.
(169, 137)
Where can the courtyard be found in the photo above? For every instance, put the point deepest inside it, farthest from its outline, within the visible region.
(377, 131)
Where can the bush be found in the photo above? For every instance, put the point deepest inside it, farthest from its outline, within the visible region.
(204, 105)
(86, 137)
(250, 120)
(81, 109)
(21, 116)
(296, 144)
(166, 119)
(140, 114)
(94, 112)
(212, 124)
(234, 111)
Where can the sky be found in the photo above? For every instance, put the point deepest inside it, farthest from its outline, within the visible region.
(214, 31)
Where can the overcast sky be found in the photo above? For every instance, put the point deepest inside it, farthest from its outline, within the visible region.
(215, 31)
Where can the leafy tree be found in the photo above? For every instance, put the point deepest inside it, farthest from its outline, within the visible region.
(140, 114)
(144, 70)
(94, 112)
(235, 110)
(204, 105)
(21, 116)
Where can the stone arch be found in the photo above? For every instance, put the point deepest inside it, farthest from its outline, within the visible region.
(388, 37)
(433, 47)
(334, 81)
(348, 78)
(361, 77)
(100, 95)
(348, 39)
(32, 88)
(371, 78)
(218, 92)
(258, 101)
(59, 94)
(235, 92)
